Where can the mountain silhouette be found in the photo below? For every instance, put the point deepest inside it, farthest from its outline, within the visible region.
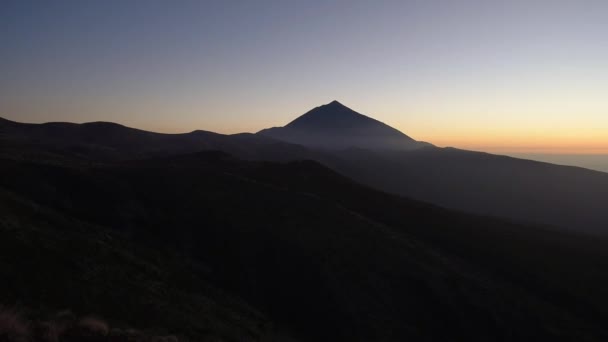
(106, 141)
(335, 126)
(476, 182)
(481, 183)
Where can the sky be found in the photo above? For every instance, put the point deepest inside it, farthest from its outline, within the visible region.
(499, 76)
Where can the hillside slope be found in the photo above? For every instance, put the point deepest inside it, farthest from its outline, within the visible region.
(53, 262)
(324, 258)
(564, 197)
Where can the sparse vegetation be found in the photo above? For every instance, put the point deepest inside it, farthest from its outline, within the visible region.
(13, 328)
(67, 327)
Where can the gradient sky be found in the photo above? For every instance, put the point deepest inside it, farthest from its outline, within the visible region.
(499, 76)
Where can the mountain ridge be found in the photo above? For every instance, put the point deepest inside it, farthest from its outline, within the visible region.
(474, 182)
(334, 126)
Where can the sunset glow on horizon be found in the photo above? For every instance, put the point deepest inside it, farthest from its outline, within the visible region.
(533, 80)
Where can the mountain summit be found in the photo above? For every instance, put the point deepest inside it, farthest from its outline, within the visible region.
(335, 126)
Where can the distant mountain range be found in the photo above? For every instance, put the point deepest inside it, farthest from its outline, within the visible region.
(247, 237)
(359, 147)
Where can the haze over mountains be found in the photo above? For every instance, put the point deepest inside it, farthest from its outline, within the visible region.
(365, 150)
(477, 182)
(598, 162)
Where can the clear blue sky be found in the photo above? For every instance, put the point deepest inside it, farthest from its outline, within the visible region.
(496, 75)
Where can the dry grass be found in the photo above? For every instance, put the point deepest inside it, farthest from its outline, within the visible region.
(13, 328)
(94, 325)
(66, 327)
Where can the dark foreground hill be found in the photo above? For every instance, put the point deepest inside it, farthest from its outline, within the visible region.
(53, 262)
(208, 245)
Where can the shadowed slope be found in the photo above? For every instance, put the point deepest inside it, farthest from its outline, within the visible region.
(52, 261)
(529, 191)
(481, 183)
(330, 260)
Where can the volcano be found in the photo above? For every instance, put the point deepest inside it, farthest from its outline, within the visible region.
(336, 127)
